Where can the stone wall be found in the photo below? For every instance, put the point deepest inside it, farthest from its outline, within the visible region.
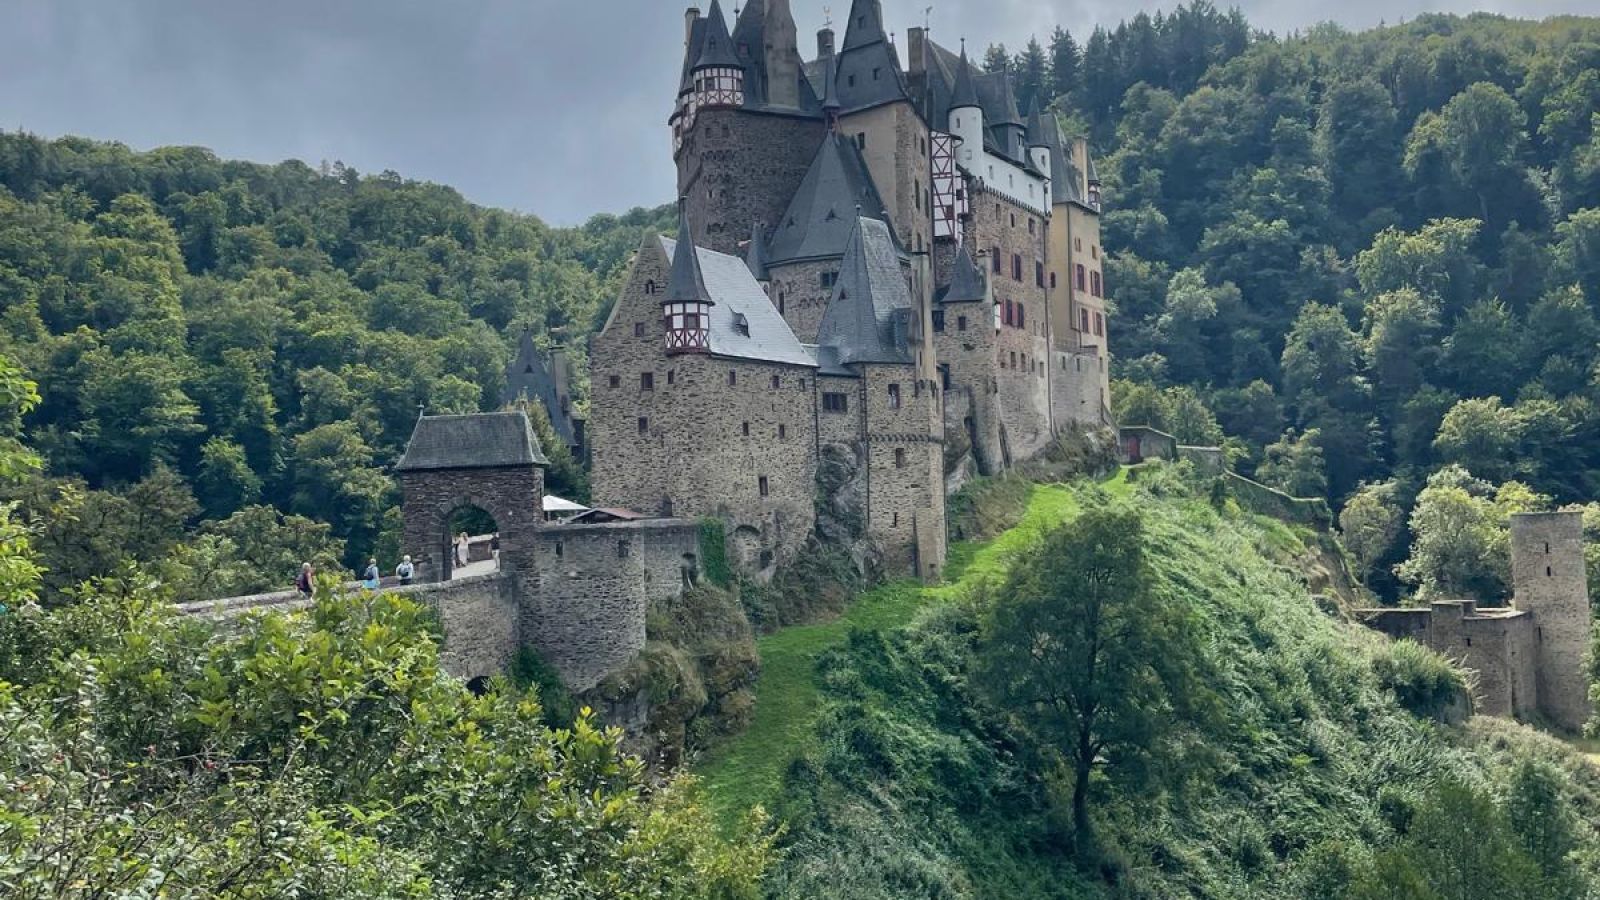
(966, 348)
(1076, 395)
(706, 443)
(896, 152)
(513, 496)
(589, 619)
(1550, 582)
(479, 616)
(905, 460)
(1019, 360)
(1497, 646)
(738, 167)
(1206, 460)
(798, 293)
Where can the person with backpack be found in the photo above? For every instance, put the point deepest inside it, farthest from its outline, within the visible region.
(405, 570)
(306, 581)
(369, 578)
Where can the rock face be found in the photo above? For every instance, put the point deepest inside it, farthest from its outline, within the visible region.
(842, 505)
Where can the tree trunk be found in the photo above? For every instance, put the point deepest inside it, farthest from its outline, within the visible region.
(1082, 840)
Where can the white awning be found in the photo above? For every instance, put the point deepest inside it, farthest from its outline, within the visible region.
(554, 504)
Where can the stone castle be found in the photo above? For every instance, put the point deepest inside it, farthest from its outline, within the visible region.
(885, 275)
(1530, 659)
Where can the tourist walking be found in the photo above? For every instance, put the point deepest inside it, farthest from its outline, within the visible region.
(463, 549)
(305, 582)
(369, 578)
(405, 570)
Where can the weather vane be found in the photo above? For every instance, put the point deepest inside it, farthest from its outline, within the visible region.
(827, 17)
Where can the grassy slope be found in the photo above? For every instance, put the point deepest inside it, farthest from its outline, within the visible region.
(747, 770)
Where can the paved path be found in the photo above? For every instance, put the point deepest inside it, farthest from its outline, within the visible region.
(481, 567)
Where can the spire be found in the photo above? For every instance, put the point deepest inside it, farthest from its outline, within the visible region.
(1037, 135)
(965, 94)
(686, 283)
(865, 26)
(1008, 114)
(830, 91)
(716, 49)
(755, 256)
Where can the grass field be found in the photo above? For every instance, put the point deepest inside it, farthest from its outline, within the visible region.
(748, 769)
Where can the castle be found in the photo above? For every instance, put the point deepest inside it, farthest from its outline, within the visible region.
(884, 275)
(1530, 659)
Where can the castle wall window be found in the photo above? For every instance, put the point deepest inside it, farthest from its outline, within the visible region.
(828, 278)
(783, 432)
(1077, 244)
(623, 549)
(1052, 281)
(647, 381)
(744, 428)
(1082, 278)
(1038, 273)
(650, 287)
(638, 329)
(1094, 283)
(560, 550)
(938, 321)
(777, 382)
(861, 136)
(1016, 266)
(1022, 315)
(1094, 251)
(671, 375)
(644, 425)
(1030, 218)
(1013, 359)
(894, 396)
(780, 303)
(1008, 317)
(733, 378)
(899, 457)
(1083, 320)
(614, 381)
(994, 259)
(1013, 220)
(762, 486)
(1099, 324)
(835, 403)
(961, 323)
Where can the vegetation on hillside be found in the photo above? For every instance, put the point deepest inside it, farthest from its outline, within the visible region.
(230, 355)
(1363, 255)
(1264, 749)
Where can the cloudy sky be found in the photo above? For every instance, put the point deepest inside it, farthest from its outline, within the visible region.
(555, 108)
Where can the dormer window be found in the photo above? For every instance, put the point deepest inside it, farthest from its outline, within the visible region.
(741, 325)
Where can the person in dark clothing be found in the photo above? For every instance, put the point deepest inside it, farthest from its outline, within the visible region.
(306, 582)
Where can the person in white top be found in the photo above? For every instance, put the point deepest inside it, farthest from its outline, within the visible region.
(462, 547)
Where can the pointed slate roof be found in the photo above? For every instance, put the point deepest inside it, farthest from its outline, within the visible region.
(1064, 173)
(686, 283)
(964, 93)
(717, 47)
(868, 68)
(736, 297)
(818, 221)
(477, 441)
(1006, 110)
(1037, 136)
(755, 256)
(967, 281)
(528, 376)
(869, 318)
(749, 30)
(865, 25)
(691, 53)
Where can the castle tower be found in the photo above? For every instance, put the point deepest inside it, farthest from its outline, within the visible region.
(1551, 583)
(1038, 140)
(740, 144)
(966, 115)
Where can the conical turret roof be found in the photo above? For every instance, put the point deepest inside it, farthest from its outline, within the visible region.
(868, 299)
(716, 49)
(686, 283)
(1007, 112)
(865, 25)
(1037, 135)
(833, 192)
(965, 93)
(966, 280)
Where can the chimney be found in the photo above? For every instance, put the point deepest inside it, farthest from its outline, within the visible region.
(825, 42)
(916, 50)
(689, 17)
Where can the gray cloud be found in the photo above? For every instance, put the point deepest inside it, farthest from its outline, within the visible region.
(556, 108)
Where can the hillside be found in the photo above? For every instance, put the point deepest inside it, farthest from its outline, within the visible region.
(1300, 772)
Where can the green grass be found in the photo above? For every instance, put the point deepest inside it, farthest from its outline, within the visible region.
(749, 769)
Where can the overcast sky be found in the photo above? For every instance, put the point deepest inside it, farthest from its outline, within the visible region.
(554, 108)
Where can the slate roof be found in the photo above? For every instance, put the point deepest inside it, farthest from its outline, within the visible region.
(755, 254)
(817, 223)
(735, 292)
(868, 71)
(963, 94)
(716, 48)
(870, 316)
(967, 281)
(994, 96)
(477, 441)
(1036, 126)
(691, 53)
(528, 376)
(686, 283)
(1064, 174)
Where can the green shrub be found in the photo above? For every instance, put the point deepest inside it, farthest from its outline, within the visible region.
(1424, 682)
(984, 507)
(714, 552)
(815, 586)
(529, 670)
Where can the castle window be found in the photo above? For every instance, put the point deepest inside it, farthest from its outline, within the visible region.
(1013, 359)
(961, 323)
(1548, 573)
(671, 375)
(1094, 283)
(638, 329)
(1016, 266)
(861, 140)
(777, 382)
(828, 278)
(852, 80)
(744, 427)
(894, 521)
(877, 72)
(623, 549)
(615, 381)
(1099, 324)
(1081, 276)
(780, 303)
(1030, 218)
(783, 432)
(650, 287)
(1013, 220)
(1077, 244)
(733, 378)
(1038, 273)
(644, 425)
(899, 457)
(647, 381)
(835, 403)
(1010, 316)
(1022, 315)
(762, 486)
(894, 396)
(1052, 281)
(938, 320)
(1083, 320)
(994, 259)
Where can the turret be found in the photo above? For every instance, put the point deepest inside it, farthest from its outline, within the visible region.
(825, 41)
(782, 56)
(1039, 139)
(966, 115)
(718, 77)
(1091, 180)
(1010, 130)
(686, 305)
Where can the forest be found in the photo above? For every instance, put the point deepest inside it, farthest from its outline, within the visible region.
(1362, 259)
